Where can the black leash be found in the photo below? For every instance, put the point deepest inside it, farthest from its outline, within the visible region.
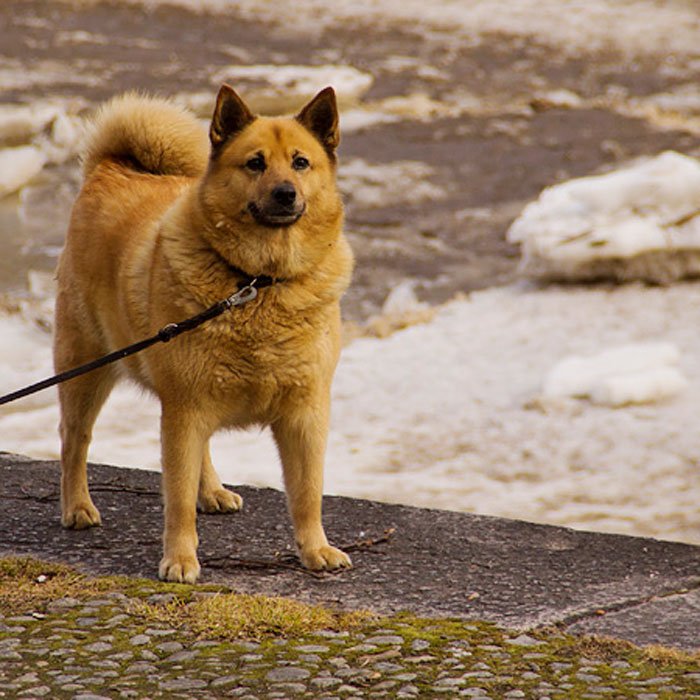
(245, 294)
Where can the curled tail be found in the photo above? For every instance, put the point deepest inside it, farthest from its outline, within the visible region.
(149, 134)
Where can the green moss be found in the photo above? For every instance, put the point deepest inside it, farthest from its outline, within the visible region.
(281, 626)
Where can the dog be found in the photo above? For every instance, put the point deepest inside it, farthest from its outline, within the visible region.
(167, 223)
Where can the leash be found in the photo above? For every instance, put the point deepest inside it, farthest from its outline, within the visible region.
(244, 295)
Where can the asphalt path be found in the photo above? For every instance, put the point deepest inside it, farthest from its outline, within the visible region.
(432, 563)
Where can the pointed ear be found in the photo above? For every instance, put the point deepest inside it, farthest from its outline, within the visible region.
(320, 117)
(231, 115)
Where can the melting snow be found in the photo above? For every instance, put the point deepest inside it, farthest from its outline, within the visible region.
(640, 222)
(18, 166)
(451, 413)
(273, 89)
(637, 373)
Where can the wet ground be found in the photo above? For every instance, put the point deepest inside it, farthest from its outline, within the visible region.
(488, 158)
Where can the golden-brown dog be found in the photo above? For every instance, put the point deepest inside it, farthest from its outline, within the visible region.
(168, 223)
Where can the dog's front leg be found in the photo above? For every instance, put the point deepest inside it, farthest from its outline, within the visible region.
(183, 442)
(301, 440)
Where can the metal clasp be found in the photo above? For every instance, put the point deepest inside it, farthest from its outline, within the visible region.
(243, 296)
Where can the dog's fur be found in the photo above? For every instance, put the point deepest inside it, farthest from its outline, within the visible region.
(168, 223)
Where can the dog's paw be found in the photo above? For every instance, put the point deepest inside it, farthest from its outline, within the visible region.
(81, 516)
(179, 569)
(325, 557)
(220, 501)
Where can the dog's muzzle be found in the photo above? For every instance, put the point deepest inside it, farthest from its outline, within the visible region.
(281, 208)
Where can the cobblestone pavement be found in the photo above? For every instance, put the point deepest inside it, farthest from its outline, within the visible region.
(104, 648)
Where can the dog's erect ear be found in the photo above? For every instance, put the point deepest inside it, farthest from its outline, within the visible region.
(231, 115)
(320, 117)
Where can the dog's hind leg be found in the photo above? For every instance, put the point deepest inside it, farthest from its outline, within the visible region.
(212, 496)
(80, 401)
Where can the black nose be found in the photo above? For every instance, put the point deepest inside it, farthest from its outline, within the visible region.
(284, 194)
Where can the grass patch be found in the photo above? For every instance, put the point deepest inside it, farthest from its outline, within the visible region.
(666, 655)
(230, 616)
(28, 584)
(601, 647)
(608, 648)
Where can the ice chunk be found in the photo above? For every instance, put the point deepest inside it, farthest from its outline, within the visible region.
(276, 89)
(628, 374)
(641, 222)
(384, 184)
(18, 166)
(20, 123)
(402, 299)
(63, 138)
(556, 99)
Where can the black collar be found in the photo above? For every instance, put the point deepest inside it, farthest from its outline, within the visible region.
(246, 279)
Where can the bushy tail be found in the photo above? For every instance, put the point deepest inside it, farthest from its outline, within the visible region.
(150, 134)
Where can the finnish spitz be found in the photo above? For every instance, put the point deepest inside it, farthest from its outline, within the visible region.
(167, 223)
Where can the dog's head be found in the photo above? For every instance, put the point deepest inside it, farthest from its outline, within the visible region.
(269, 192)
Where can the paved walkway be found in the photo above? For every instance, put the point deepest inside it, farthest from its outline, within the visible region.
(496, 602)
(431, 563)
(98, 648)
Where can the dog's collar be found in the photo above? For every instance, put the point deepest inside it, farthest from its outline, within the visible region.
(247, 280)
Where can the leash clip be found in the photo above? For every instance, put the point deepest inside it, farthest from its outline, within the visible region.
(243, 295)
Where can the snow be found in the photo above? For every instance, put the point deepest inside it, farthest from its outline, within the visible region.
(273, 89)
(639, 222)
(19, 123)
(636, 373)
(636, 25)
(402, 299)
(31, 136)
(452, 413)
(18, 166)
(62, 140)
(385, 184)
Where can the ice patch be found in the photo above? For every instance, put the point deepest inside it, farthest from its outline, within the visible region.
(62, 139)
(364, 118)
(83, 73)
(640, 222)
(20, 123)
(35, 135)
(681, 99)
(556, 99)
(401, 309)
(402, 299)
(277, 89)
(375, 185)
(630, 374)
(416, 106)
(26, 352)
(18, 166)
(639, 25)
(449, 414)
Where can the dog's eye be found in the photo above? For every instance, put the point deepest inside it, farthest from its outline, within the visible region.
(300, 163)
(256, 164)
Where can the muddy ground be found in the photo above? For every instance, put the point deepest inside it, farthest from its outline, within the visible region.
(490, 159)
